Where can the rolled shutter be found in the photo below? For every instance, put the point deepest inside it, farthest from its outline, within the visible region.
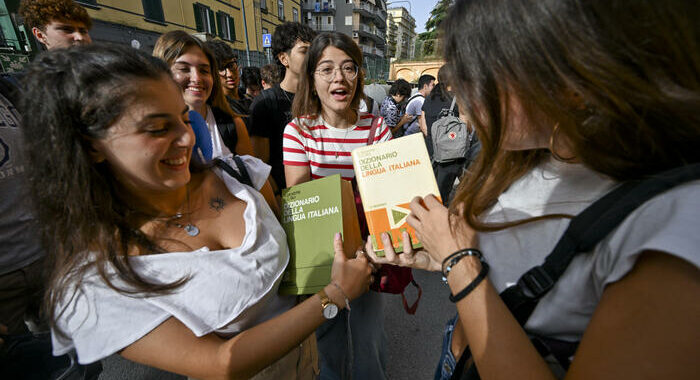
(220, 24)
(198, 18)
(232, 29)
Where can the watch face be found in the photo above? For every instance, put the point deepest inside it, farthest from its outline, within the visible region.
(330, 311)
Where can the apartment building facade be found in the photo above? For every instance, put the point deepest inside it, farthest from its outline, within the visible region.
(241, 23)
(139, 23)
(404, 26)
(364, 20)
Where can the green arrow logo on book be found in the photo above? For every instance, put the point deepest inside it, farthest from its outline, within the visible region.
(398, 216)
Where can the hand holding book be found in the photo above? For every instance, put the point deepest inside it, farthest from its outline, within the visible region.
(412, 258)
(353, 276)
(431, 220)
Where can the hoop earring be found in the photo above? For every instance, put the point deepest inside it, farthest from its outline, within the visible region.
(556, 156)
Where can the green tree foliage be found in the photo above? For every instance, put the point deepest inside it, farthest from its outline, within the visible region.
(432, 27)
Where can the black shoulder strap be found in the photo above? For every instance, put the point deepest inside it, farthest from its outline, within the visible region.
(241, 175)
(585, 231)
(227, 128)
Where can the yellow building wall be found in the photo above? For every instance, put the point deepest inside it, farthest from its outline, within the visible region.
(179, 14)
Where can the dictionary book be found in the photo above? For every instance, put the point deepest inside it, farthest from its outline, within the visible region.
(312, 212)
(389, 175)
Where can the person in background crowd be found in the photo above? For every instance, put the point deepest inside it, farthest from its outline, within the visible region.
(437, 105)
(415, 103)
(270, 75)
(56, 23)
(317, 143)
(252, 82)
(250, 78)
(390, 108)
(580, 97)
(21, 256)
(367, 104)
(170, 267)
(271, 111)
(228, 70)
(192, 66)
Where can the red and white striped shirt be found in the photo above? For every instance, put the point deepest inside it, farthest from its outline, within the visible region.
(326, 149)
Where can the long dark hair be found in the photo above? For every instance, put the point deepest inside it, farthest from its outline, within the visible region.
(620, 78)
(72, 96)
(306, 101)
(440, 89)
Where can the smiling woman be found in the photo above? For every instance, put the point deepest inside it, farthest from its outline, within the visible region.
(195, 256)
(194, 68)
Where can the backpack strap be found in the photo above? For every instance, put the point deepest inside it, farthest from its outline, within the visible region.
(417, 94)
(226, 125)
(241, 175)
(376, 122)
(585, 231)
(452, 106)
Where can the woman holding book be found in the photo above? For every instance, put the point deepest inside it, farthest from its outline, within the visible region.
(194, 68)
(317, 143)
(170, 267)
(579, 97)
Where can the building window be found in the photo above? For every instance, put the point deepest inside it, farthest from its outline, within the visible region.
(263, 4)
(226, 29)
(295, 15)
(280, 9)
(153, 10)
(204, 18)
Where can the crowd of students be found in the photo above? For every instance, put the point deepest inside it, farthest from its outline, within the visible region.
(137, 249)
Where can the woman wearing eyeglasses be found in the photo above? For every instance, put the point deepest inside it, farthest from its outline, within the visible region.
(326, 127)
(193, 66)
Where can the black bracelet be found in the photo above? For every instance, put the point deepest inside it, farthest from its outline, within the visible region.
(472, 285)
(452, 259)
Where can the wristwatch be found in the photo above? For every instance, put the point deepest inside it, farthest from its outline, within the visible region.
(330, 310)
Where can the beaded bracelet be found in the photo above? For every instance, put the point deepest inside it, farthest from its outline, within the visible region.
(452, 259)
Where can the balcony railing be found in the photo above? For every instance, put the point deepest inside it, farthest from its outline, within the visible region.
(322, 27)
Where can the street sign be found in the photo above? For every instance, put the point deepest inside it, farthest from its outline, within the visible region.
(267, 40)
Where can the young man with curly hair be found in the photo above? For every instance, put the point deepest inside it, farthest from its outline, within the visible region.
(57, 23)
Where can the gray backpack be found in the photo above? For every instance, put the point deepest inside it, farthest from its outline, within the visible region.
(451, 137)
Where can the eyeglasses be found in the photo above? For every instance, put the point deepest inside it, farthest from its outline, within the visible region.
(327, 72)
(231, 66)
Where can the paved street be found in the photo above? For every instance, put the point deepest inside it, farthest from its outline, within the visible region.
(414, 340)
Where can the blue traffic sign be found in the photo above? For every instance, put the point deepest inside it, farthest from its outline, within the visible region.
(267, 40)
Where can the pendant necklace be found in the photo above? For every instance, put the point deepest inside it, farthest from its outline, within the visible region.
(189, 228)
(337, 146)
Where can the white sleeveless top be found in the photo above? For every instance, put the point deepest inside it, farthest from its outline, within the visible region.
(228, 291)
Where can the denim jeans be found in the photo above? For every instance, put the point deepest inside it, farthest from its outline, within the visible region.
(447, 362)
(368, 341)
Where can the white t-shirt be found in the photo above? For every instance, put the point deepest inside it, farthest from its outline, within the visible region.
(218, 148)
(667, 223)
(414, 108)
(230, 290)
